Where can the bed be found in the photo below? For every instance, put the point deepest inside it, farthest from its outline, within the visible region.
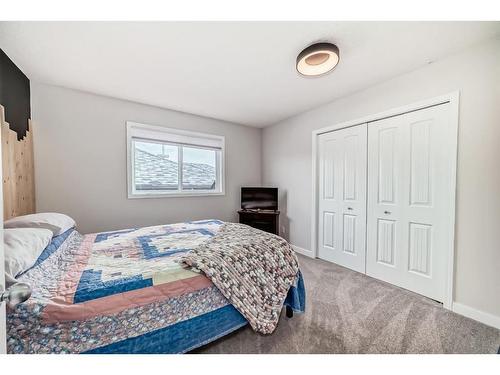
(131, 291)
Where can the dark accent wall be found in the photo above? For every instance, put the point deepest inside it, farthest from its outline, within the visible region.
(14, 95)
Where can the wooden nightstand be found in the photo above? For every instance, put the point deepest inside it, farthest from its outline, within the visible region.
(267, 221)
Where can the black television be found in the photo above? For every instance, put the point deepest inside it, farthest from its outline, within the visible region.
(259, 198)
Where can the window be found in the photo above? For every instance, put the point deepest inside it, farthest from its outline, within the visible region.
(172, 162)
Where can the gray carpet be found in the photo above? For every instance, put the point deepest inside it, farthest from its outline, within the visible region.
(348, 312)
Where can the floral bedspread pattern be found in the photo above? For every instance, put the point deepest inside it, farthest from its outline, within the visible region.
(100, 289)
(254, 270)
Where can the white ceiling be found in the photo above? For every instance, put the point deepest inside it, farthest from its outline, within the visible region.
(242, 72)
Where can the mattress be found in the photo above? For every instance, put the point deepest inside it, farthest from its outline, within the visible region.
(124, 292)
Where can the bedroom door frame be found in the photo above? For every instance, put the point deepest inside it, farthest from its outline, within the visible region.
(3, 312)
(453, 99)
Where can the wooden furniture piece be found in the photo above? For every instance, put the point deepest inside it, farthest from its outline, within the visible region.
(265, 220)
(18, 175)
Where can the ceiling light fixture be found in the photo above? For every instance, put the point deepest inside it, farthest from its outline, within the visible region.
(318, 59)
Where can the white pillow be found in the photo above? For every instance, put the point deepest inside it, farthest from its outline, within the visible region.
(57, 223)
(22, 247)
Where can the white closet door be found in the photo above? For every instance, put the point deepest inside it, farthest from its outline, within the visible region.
(409, 182)
(342, 197)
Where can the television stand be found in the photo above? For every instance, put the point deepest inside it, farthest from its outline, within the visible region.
(265, 220)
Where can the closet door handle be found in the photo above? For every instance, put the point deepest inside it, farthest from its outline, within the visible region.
(350, 208)
(387, 212)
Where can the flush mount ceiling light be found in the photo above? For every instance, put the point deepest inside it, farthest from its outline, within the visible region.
(318, 59)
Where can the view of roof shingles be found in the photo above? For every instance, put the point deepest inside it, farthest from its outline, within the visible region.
(157, 172)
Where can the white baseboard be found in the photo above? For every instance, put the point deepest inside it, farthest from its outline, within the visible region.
(481, 316)
(469, 312)
(300, 250)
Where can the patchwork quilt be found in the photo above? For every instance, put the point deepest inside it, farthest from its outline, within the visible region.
(125, 292)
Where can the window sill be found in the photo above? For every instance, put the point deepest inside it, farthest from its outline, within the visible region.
(175, 195)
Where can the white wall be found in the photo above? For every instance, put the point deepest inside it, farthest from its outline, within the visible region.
(80, 161)
(476, 73)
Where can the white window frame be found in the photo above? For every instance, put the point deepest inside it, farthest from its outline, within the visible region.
(177, 137)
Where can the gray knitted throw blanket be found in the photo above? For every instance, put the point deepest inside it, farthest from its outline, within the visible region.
(253, 269)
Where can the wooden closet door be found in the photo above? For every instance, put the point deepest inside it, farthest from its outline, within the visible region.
(342, 197)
